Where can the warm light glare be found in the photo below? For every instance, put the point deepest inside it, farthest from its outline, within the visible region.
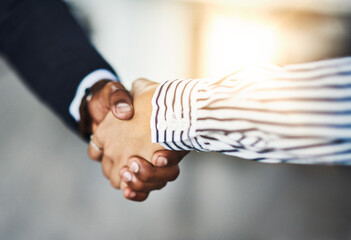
(233, 42)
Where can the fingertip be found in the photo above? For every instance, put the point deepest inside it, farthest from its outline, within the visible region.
(131, 194)
(122, 110)
(127, 176)
(134, 196)
(121, 103)
(154, 158)
(167, 158)
(134, 167)
(159, 159)
(123, 169)
(142, 163)
(123, 116)
(128, 193)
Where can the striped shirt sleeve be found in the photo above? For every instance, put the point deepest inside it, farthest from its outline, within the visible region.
(297, 113)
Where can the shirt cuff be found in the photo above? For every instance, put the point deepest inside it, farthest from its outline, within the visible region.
(87, 82)
(173, 114)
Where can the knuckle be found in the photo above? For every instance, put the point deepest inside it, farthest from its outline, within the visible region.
(137, 82)
(91, 155)
(114, 85)
(108, 153)
(175, 174)
(118, 94)
(98, 134)
(96, 156)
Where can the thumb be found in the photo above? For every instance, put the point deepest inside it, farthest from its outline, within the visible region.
(114, 97)
(140, 85)
(120, 101)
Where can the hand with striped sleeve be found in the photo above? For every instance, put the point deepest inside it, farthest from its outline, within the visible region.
(129, 160)
(295, 114)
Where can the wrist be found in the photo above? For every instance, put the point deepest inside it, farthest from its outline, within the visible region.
(174, 112)
(142, 117)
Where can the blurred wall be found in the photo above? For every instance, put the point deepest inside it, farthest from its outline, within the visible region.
(49, 189)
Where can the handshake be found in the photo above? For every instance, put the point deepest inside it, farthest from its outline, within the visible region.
(128, 158)
(257, 113)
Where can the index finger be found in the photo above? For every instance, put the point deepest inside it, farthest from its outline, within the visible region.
(147, 172)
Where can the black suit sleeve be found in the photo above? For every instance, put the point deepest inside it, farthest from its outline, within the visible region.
(44, 43)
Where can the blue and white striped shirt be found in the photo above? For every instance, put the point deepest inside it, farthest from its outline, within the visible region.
(297, 113)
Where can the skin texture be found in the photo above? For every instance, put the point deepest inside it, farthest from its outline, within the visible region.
(129, 160)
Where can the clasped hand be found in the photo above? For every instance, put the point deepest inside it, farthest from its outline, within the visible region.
(128, 158)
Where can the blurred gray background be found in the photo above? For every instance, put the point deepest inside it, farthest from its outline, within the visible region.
(49, 189)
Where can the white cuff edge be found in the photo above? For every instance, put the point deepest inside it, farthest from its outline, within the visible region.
(87, 82)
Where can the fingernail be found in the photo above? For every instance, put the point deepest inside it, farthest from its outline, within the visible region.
(127, 176)
(134, 167)
(161, 161)
(123, 108)
(132, 194)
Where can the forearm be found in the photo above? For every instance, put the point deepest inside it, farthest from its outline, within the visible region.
(292, 114)
(50, 51)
